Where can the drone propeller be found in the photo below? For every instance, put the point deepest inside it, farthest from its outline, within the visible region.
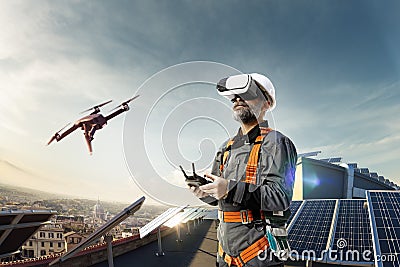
(57, 133)
(125, 103)
(96, 108)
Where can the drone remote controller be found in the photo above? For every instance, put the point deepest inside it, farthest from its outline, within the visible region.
(195, 180)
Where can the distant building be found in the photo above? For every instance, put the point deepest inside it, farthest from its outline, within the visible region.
(333, 179)
(71, 222)
(130, 232)
(98, 211)
(73, 239)
(47, 241)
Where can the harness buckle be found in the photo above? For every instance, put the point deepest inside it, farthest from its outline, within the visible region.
(244, 216)
(220, 215)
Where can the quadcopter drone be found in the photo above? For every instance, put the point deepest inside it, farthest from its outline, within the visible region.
(91, 123)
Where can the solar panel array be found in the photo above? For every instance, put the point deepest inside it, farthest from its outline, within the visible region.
(384, 208)
(347, 231)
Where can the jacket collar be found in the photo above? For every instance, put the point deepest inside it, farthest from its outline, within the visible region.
(251, 136)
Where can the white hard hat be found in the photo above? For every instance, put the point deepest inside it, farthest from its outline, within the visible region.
(266, 86)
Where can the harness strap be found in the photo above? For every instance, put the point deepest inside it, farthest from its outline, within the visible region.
(242, 216)
(226, 154)
(246, 255)
(252, 163)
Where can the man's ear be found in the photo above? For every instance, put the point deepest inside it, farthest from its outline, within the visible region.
(266, 105)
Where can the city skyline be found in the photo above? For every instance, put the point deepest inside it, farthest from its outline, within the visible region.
(335, 67)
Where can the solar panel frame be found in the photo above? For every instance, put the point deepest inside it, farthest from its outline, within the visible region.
(295, 207)
(390, 215)
(343, 215)
(320, 228)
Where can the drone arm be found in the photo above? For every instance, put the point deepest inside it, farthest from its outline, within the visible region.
(116, 113)
(67, 132)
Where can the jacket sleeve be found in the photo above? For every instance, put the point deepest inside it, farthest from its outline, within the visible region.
(215, 171)
(276, 175)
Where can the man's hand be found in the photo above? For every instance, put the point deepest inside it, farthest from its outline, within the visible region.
(197, 192)
(217, 189)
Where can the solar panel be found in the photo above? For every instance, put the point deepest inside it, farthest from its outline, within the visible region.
(335, 160)
(16, 226)
(310, 230)
(373, 174)
(308, 154)
(212, 214)
(191, 215)
(157, 222)
(178, 218)
(364, 170)
(352, 165)
(384, 210)
(352, 236)
(294, 207)
(201, 213)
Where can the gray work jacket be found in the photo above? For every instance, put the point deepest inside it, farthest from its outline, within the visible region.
(272, 192)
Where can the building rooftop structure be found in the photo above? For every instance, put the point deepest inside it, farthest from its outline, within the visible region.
(333, 200)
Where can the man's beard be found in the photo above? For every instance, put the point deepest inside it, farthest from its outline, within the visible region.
(245, 115)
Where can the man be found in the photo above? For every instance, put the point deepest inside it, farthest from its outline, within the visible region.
(253, 178)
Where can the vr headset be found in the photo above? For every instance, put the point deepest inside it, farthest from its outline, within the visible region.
(242, 85)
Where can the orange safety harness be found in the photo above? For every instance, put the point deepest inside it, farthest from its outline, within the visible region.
(246, 255)
(244, 216)
(252, 163)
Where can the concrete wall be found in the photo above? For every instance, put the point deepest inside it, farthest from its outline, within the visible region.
(366, 182)
(94, 257)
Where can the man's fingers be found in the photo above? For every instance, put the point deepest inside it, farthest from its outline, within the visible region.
(208, 191)
(211, 176)
(207, 187)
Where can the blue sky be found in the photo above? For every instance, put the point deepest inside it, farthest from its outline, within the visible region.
(335, 66)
